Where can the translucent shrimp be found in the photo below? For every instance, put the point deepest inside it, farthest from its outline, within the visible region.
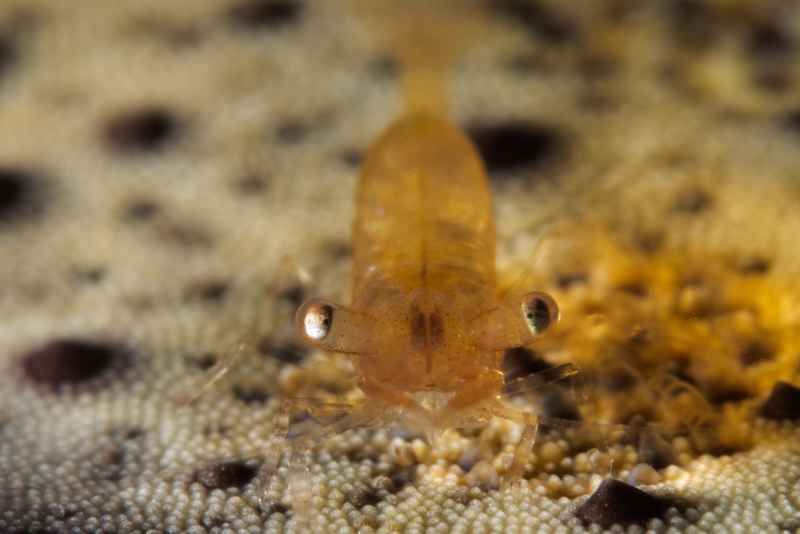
(427, 327)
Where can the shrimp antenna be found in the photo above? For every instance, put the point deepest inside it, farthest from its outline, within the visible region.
(333, 327)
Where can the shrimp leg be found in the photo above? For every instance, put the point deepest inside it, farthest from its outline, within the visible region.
(524, 448)
(297, 438)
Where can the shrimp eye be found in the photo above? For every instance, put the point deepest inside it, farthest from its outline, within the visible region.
(505, 327)
(539, 311)
(317, 320)
(332, 327)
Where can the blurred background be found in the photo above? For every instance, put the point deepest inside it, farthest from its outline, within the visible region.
(166, 168)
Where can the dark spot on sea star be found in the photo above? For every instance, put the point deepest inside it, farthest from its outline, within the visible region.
(234, 474)
(257, 15)
(516, 145)
(140, 131)
(783, 402)
(71, 361)
(616, 502)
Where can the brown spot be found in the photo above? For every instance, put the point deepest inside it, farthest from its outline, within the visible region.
(635, 289)
(181, 38)
(402, 476)
(141, 131)
(216, 429)
(251, 185)
(384, 68)
(520, 362)
(694, 24)
(142, 210)
(88, 275)
(776, 80)
(18, 194)
(649, 242)
(568, 280)
(540, 21)
(211, 291)
(791, 120)
(361, 497)
(8, 55)
(292, 132)
(351, 157)
(186, 235)
(250, 395)
(769, 41)
(721, 449)
(235, 474)
(339, 250)
(597, 102)
(257, 15)
(109, 463)
(71, 361)
(725, 395)
(203, 362)
(126, 434)
(618, 503)
(285, 352)
(754, 353)
(515, 145)
(754, 266)
(783, 403)
(692, 201)
(598, 67)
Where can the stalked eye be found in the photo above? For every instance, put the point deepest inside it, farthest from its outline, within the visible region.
(317, 320)
(540, 311)
(504, 327)
(332, 327)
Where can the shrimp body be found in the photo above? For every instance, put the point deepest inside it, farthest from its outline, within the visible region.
(423, 248)
(426, 329)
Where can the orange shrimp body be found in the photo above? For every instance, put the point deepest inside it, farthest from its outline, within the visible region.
(426, 328)
(423, 255)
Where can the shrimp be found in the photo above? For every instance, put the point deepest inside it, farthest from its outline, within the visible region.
(427, 326)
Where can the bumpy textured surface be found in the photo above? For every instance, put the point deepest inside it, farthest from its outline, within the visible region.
(159, 160)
